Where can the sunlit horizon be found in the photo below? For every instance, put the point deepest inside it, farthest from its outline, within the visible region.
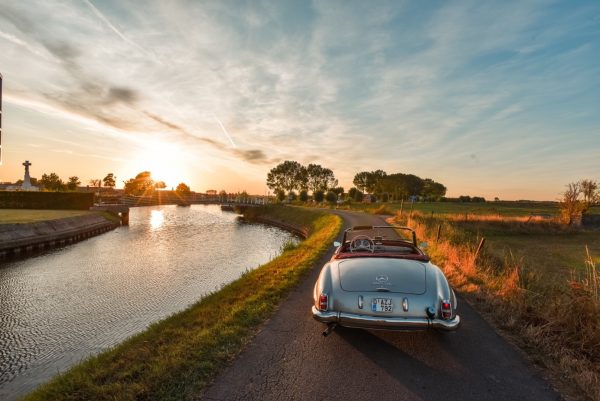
(494, 100)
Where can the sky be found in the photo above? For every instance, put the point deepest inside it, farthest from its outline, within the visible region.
(494, 99)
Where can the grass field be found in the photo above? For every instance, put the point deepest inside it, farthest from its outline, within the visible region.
(11, 216)
(177, 357)
(559, 255)
(533, 279)
(501, 208)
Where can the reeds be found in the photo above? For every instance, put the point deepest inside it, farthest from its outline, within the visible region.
(560, 320)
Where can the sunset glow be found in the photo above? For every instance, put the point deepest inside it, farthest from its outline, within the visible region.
(495, 100)
(166, 161)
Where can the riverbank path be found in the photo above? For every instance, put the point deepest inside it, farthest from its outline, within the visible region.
(289, 359)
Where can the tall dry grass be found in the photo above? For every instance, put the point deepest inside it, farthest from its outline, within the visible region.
(559, 321)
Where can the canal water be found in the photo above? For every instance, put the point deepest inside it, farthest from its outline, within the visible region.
(59, 307)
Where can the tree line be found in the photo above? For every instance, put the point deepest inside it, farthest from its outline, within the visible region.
(397, 186)
(52, 182)
(142, 183)
(289, 176)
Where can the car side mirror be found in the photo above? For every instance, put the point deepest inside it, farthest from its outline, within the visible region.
(337, 244)
(423, 245)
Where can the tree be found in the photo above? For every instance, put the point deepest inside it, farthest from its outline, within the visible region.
(319, 196)
(363, 181)
(95, 182)
(433, 190)
(590, 193)
(370, 181)
(571, 207)
(287, 176)
(183, 189)
(52, 182)
(140, 185)
(577, 199)
(109, 180)
(73, 183)
(377, 178)
(303, 195)
(319, 178)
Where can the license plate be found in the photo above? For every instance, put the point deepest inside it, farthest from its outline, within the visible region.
(381, 305)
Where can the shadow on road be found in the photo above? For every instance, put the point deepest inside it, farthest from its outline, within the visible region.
(418, 361)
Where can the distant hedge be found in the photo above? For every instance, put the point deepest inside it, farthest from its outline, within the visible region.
(46, 200)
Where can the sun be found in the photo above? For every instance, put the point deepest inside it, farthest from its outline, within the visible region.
(166, 162)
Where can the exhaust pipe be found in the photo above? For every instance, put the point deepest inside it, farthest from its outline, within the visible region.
(329, 329)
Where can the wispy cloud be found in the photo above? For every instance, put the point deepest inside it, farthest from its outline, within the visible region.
(115, 30)
(403, 86)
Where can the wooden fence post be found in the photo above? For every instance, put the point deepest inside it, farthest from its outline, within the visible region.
(439, 231)
(401, 207)
(481, 244)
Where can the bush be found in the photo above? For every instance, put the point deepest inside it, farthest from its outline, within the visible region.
(331, 197)
(280, 195)
(46, 200)
(319, 196)
(304, 195)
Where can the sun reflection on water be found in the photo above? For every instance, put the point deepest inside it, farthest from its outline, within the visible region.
(156, 219)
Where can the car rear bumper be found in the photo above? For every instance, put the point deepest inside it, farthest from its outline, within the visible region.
(384, 323)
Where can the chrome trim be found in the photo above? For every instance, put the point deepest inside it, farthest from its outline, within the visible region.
(384, 323)
(405, 304)
(360, 302)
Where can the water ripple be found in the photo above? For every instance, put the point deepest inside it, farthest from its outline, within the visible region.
(60, 307)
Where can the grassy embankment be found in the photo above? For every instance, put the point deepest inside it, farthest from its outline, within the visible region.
(534, 279)
(11, 216)
(176, 358)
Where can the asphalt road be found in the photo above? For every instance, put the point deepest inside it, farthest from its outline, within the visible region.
(290, 360)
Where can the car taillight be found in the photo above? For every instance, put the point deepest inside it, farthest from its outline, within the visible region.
(323, 302)
(446, 308)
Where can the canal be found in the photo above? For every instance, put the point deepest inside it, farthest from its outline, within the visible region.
(59, 307)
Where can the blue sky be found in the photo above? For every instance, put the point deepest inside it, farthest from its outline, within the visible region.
(489, 98)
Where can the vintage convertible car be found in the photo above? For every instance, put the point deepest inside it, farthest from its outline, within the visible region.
(377, 279)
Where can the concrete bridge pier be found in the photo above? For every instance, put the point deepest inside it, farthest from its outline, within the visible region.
(124, 218)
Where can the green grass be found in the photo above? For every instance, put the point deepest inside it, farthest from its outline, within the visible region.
(11, 216)
(556, 255)
(504, 209)
(176, 358)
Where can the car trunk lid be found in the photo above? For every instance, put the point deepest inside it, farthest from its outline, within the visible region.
(383, 275)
